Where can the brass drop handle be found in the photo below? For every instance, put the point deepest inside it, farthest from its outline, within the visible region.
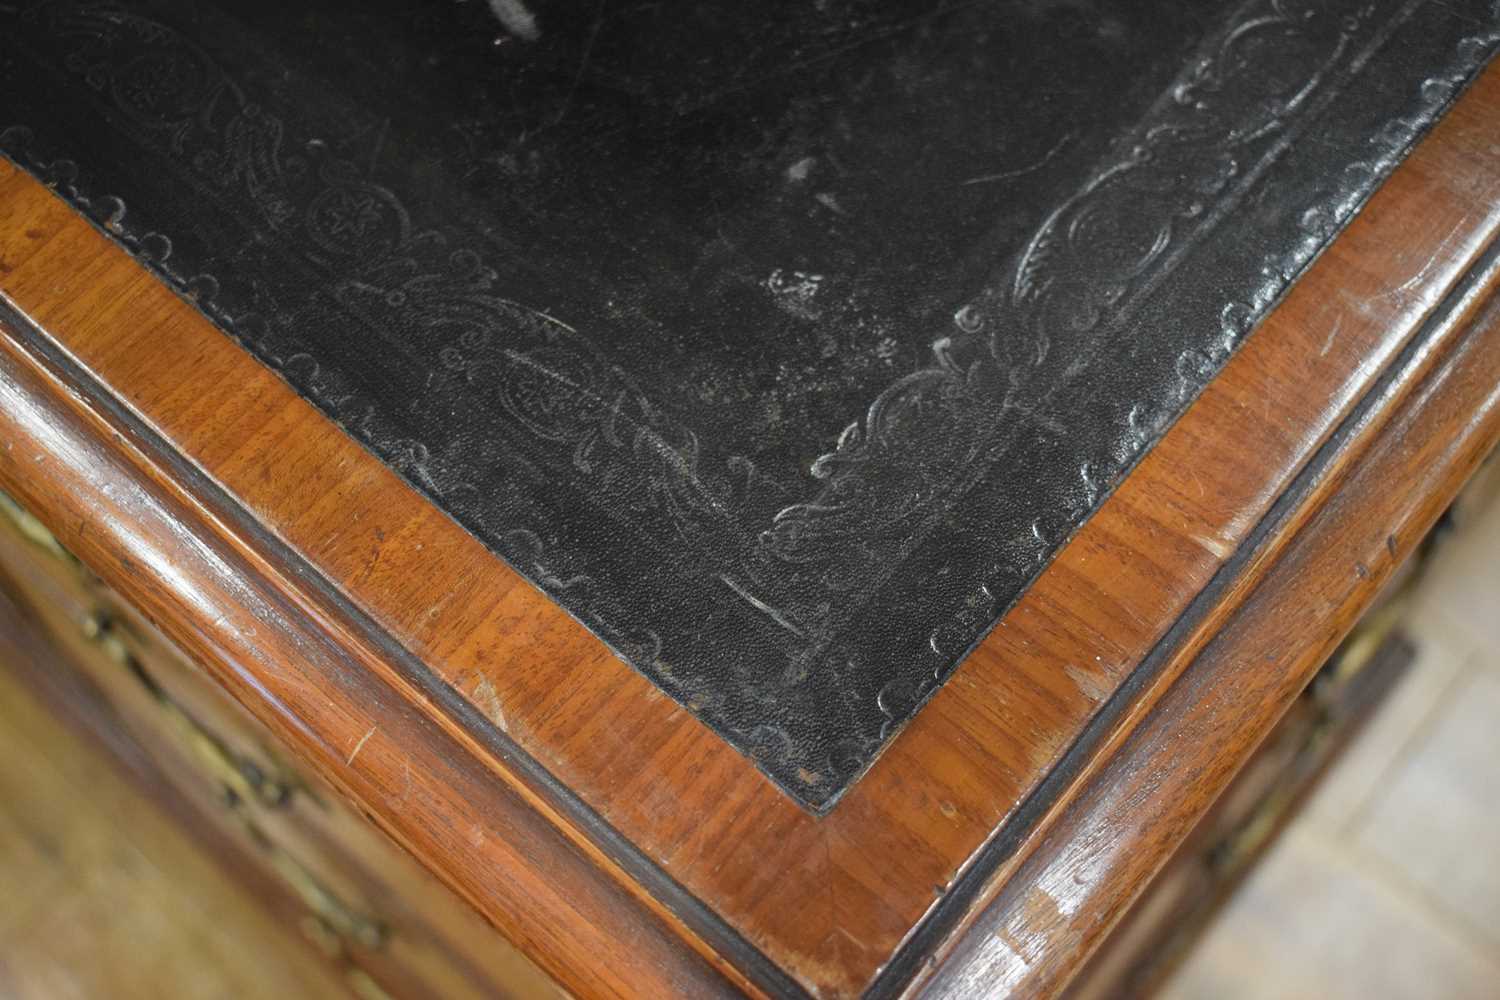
(238, 774)
(246, 783)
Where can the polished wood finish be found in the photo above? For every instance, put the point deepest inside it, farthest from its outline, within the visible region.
(287, 665)
(1135, 811)
(1161, 928)
(609, 834)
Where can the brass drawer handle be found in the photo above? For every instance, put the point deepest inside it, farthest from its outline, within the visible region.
(243, 780)
(245, 783)
(239, 774)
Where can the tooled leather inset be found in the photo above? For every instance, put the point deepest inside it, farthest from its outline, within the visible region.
(805, 621)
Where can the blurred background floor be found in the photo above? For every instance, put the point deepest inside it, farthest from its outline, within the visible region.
(1387, 883)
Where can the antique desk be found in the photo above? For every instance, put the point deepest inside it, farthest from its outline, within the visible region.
(705, 502)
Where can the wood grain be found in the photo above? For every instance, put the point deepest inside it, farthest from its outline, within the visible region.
(319, 692)
(1057, 906)
(523, 726)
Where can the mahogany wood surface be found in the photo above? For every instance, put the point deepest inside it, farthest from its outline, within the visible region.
(1057, 906)
(620, 843)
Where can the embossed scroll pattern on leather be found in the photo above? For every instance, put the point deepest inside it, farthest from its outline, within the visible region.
(782, 344)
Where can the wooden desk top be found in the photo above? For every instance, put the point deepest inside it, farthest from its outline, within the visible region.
(611, 835)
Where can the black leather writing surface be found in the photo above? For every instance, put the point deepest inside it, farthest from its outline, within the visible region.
(780, 343)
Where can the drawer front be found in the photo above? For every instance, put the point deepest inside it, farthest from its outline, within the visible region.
(392, 927)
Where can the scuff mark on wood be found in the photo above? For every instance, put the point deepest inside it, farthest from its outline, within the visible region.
(359, 746)
(488, 700)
